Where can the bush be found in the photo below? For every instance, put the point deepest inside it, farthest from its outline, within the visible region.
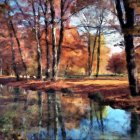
(117, 63)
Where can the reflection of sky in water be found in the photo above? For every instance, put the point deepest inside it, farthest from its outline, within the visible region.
(120, 121)
(116, 125)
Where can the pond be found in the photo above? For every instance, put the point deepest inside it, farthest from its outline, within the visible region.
(35, 115)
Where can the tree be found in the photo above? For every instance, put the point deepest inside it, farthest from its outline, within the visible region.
(53, 37)
(10, 28)
(87, 24)
(14, 65)
(117, 63)
(57, 22)
(127, 24)
(36, 16)
(93, 22)
(14, 30)
(45, 10)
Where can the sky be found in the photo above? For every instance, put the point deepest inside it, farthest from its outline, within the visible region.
(113, 39)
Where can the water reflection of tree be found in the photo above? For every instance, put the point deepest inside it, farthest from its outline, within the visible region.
(26, 99)
(55, 109)
(91, 118)
(134, 124)
(1, 88)
(16, 92)
(39, 94)
(61, 120)
(48, 113)
(54, 102)
(40, 108)
(98, 110)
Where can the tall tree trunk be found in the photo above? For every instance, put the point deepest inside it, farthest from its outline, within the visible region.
(19, 48)
(54, 62)
(54, 54)
(13, 53)
(39, 67)
(99, 43)
(98, 54)
(89, 55)
(37, 36)
(92, 54)
(61, 35)
(11, 27)
(131, 66)
(45, 13)
(47, 73)
(129, 43)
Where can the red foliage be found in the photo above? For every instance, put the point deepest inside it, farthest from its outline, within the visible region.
(117, 63)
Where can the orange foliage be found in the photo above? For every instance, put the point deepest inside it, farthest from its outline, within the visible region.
(73, 58)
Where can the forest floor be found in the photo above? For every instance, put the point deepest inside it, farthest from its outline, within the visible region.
(115, 90)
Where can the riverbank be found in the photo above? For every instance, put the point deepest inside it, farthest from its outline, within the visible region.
(115, 90)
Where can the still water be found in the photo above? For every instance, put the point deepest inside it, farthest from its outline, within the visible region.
(34, 115)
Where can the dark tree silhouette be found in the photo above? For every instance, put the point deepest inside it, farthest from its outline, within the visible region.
(127, 24)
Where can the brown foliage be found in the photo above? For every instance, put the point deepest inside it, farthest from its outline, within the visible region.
(117, 63)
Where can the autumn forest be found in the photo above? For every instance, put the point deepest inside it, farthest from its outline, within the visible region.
(67, 67)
